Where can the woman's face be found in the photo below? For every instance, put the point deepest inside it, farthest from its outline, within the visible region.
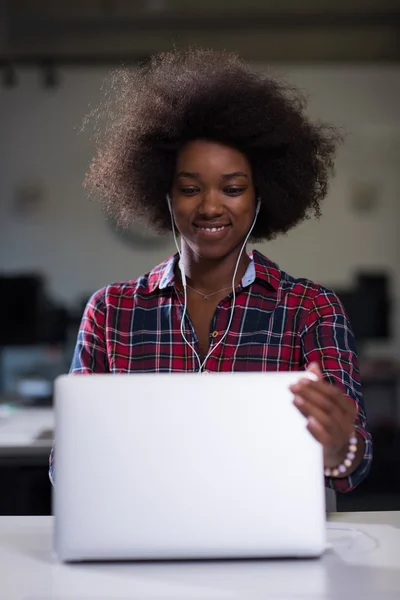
(213, 198)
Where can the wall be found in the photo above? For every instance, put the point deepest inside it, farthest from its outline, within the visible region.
(68, 239)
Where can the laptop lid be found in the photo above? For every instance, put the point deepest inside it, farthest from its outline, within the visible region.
(182, 465)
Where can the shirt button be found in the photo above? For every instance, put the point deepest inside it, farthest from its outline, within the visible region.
(214, 334)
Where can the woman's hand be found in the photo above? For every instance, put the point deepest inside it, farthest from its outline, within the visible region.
(330, 413)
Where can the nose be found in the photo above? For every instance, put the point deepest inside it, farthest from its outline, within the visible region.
(210, 204)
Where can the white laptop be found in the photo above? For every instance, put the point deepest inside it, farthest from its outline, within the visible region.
(185, 466)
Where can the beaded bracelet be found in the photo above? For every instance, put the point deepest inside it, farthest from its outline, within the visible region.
(348, 461)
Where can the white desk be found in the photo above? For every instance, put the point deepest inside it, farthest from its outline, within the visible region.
(20, 432)
(364, 564)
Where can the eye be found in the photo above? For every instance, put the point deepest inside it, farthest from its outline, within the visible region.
(189, 191)
(234, 190)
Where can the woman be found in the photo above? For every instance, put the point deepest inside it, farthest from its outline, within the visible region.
(199, 144)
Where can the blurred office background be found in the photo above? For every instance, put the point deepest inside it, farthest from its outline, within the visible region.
(56, 247)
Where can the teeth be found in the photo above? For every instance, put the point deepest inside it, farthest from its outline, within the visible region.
(213, 229)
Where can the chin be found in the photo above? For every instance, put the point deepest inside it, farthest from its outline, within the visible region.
(211, 251)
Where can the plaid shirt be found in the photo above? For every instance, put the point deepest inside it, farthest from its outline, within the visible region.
(279, 324)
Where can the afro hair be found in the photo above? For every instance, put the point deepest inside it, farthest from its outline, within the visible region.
(149, 112)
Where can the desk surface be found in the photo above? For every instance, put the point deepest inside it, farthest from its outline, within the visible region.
(363, 562)
(20, 431)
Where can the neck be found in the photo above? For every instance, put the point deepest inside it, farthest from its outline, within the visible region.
(209, 275)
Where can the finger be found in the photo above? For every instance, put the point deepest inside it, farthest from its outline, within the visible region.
(326, 394)
(314, 368)
(332, 426)
(336, 395)
(335, 421)
(314, 396)
(318, 431)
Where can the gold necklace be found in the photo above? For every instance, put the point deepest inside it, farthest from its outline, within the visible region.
(207, 296)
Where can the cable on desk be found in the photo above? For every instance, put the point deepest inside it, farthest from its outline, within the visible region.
(356, 534)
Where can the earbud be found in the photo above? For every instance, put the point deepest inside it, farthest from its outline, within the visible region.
(258, 206)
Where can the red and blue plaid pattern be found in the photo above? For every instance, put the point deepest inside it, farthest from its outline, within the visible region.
(279, 324)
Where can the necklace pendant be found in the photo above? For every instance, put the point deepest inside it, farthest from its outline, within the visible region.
(205, 297)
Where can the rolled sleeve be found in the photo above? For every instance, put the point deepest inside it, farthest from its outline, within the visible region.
(327, 339)
(90, 354)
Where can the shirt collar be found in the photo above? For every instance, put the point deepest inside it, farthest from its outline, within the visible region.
(264, 270)
(260, 268)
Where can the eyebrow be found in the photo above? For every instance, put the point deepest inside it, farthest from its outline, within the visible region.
(188, 175)
(225, 177)
(235, 174)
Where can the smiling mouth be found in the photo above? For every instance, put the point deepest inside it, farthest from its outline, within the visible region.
(212, 229)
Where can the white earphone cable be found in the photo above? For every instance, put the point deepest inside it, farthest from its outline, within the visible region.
(201, 364)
